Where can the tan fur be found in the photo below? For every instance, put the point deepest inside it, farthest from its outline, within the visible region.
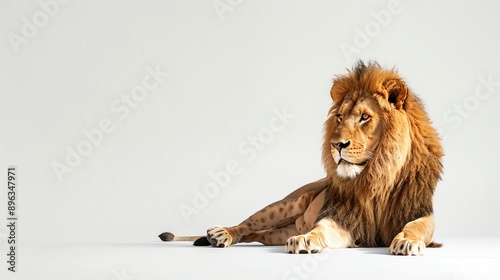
(383, 160)
(275, 223)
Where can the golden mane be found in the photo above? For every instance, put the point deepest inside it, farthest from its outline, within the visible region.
(398, 182)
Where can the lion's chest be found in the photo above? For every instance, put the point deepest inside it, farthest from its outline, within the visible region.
(370, 223)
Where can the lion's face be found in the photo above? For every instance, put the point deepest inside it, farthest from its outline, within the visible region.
(355, 134)
(367, 122)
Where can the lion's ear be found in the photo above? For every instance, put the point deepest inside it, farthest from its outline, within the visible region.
(395, 91)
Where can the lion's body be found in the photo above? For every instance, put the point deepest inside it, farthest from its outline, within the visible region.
(383, 161)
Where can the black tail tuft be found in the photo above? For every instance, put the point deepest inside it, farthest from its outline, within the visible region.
(202, 241)
(166, 236)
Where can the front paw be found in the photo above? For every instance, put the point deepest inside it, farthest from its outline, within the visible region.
(303, 244)
(407, 247)
(219, 237)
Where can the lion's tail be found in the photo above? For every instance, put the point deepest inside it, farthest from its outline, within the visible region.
(198, 240)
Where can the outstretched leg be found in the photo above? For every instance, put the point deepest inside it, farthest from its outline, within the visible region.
(414, 237)
(277, 215)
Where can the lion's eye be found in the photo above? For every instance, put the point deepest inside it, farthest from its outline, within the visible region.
(339, 117)
(365, 117)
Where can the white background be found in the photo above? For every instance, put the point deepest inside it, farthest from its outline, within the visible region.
(229, 72)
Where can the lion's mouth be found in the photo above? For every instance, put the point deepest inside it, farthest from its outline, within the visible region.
(352, 163)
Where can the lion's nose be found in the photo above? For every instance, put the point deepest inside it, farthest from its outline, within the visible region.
(340, 145)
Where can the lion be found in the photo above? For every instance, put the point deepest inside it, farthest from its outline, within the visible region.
(382, 159)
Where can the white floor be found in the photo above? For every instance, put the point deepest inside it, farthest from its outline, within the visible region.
(458, 259)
